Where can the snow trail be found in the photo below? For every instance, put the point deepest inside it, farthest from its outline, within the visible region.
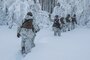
(73, 45)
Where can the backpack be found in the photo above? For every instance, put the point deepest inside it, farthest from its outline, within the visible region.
(62, 20)
(67, 19)
(56, 23)
(27, 24)
(74, 20)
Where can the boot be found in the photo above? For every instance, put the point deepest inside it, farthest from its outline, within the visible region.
(23, 50)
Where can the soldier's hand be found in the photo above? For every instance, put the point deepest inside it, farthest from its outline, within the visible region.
(18, 35)
(37, 31)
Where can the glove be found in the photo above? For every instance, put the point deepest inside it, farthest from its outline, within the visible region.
(35, 31)
(18, 35)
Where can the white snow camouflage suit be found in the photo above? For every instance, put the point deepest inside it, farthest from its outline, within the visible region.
(28, 36)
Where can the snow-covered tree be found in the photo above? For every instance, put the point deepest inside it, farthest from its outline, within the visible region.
(78, 7)
(14, 11)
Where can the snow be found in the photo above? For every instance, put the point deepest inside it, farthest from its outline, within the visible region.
(72, 45)
(9, 44)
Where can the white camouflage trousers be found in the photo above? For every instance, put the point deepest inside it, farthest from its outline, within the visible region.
(27, 39)
(57, 31)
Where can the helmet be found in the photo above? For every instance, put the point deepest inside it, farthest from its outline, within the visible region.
(30, 14)
(74, 15)
(56, 16)
(68, 15)
(62, 18)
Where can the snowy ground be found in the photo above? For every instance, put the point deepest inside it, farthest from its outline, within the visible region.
(73, 45)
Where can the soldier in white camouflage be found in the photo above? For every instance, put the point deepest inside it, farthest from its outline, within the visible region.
(68, 22)
(74, 21)
(27, 31)
(57, 26)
